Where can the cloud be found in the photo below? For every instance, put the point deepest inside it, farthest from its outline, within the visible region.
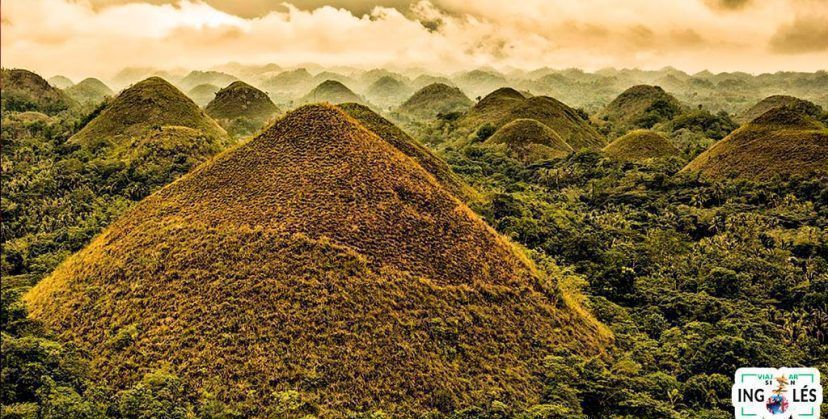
(728, 5)
(79, 38)
(804, 35)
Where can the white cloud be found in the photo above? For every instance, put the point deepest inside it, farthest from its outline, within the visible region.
(73, 38)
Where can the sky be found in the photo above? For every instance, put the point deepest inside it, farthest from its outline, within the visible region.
(80, 38)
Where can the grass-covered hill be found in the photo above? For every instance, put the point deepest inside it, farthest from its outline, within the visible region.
(288, 85)
(387, 91)
(23, 90)
(195, 78)
(241, 108)
(315, 263)
(434, 99)
(781, 142)
(478, 82)
(778, 101)
(411, 148)
(61, 82)
(331, 91)
(528, 141)
(640, 106)
(640, 145)
(506, 105)
(151, 104)
(203, 94)
(89, 91)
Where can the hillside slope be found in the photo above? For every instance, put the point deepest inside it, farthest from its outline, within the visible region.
(331, 91)
(778, 101)
(435, 99)
(23, 90)
(241, 108)
(641, 106)
(529, 141)
(315, 258)
(89, 90)
(640, 145)
(780, 142)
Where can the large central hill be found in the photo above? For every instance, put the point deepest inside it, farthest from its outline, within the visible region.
(23, 90)
(150, 104)
(506, 105)
(640, 145)
(781, 142)
(318, 258)
(435, 99)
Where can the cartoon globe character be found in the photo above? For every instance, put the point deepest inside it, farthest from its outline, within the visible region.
(777, 403)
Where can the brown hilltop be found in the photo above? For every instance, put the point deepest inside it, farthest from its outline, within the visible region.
(241, 109)
(316, 258)
(781, 142)
(434, 99)
(633, 105)
(641, 145)
(331, 91)
(506, 105)
(23, 90)
(778, 101)
(411, 148)
(529, 141)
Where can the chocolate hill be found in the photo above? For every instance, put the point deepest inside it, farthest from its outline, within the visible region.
(203, 94)
(387, 91)
(506, 105)
(778, 101)
(389, 132)
(317, 258)
(331, 91)
(781, 142)
(641, 106)
(89, 90)
(529, 141)
(143, 108)
(241, 108)
(61, 82)
(435, 99)
(640, 145)
(23, 91)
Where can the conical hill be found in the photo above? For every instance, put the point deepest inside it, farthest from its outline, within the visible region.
(318, 258)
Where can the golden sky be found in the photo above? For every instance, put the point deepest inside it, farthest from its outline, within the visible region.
(80, 38)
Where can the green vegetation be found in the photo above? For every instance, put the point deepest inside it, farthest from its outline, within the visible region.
(387, 91)
(89, 91)
(398, 295)
(528, 141)
(241, 109)
(779, 101)
(433, 100)
(332, 91)
(26, 91)
(203, 94)
(640, 106)
(640, 145)
(61, 82)
(196, 78)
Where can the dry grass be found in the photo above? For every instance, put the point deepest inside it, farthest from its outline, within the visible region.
(411, 148)
(780, 142)
(777, 101)
(316, 257)
(633, 103)
(142, 108)
(240, 99)
(506, 105)
(640, 145)
(529, 141)
(433, 99)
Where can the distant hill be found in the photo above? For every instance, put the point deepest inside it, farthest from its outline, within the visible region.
(331, 91)
(23, 90)
(195, 78)
(778, 101)
(142, 109)
(411, 148)
(506, 105)
(61, 82)
(315, 258)
(241, 108)
(89, 90)
(479, 82)
(781, 142)
(641, 106)
(387, 91)
(435, 99)
(203, 94)
(288, 85)
(640, 145)
(529, 141)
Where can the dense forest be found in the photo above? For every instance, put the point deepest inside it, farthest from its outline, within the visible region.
(694, 275)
